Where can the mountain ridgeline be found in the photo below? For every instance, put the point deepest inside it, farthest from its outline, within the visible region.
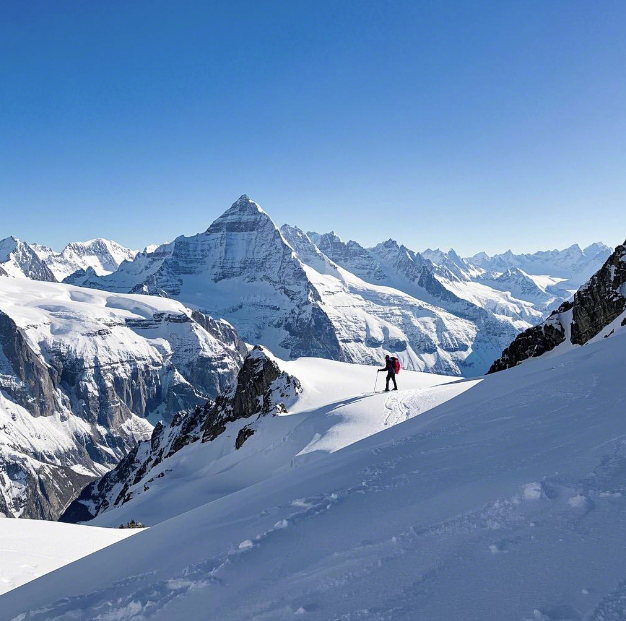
(313, 295)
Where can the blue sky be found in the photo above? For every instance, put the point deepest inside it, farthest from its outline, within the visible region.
(478, 125)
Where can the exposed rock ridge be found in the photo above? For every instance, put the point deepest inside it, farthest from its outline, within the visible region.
(594, 306)
(261, 389)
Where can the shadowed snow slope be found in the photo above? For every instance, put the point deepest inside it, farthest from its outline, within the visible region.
(507, 502)
(331, 412)
(31, 548)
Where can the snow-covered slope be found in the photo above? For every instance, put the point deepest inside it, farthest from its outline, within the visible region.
(81, 370)
(31, 548)
(19, 259)
(507, 502)
(102, 255)
(326, 407)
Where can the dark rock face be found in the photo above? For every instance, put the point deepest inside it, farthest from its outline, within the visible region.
(50, 488)
(533, 342)
(260, 390)
(256, 393)
(35, 388)
(602, 299)
(594, 306)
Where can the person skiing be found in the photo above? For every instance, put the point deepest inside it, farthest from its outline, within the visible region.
(390, 367)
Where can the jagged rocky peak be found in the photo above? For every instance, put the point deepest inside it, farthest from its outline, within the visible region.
(242, 216)
(306, 250)
(19, 259)
(352, 257)
(595, 306)
(261, 389)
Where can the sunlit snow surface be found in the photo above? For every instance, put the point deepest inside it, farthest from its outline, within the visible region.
(31, 548)
(336, 408)
(505, 503)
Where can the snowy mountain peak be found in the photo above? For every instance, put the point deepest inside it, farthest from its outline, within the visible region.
(19, 259)
(306, 250)
(103, 255)
(595, 248)
(7, 246)
(242, 215)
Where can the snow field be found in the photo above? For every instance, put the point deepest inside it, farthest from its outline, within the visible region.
(332, 412)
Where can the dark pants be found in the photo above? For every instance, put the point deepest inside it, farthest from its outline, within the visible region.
(391, 376)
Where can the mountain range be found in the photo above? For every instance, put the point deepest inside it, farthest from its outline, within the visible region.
(96, 362)
(315, 295)
(218, 388)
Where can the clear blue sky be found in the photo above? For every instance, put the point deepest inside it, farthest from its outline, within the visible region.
(480, 125)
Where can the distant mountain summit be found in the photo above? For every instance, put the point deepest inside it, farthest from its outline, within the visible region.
(102, 255)
(19, 259)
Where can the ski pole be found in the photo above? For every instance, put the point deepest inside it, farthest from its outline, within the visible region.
(376, 382)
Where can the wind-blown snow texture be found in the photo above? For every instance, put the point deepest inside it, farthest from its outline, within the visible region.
(81, 370)
(324, 298)
(507, 502)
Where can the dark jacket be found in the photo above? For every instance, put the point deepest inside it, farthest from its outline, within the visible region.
(389, 367)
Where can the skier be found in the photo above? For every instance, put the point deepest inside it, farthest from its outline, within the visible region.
(391, 365)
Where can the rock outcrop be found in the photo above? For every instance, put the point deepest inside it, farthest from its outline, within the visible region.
(261, 389)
